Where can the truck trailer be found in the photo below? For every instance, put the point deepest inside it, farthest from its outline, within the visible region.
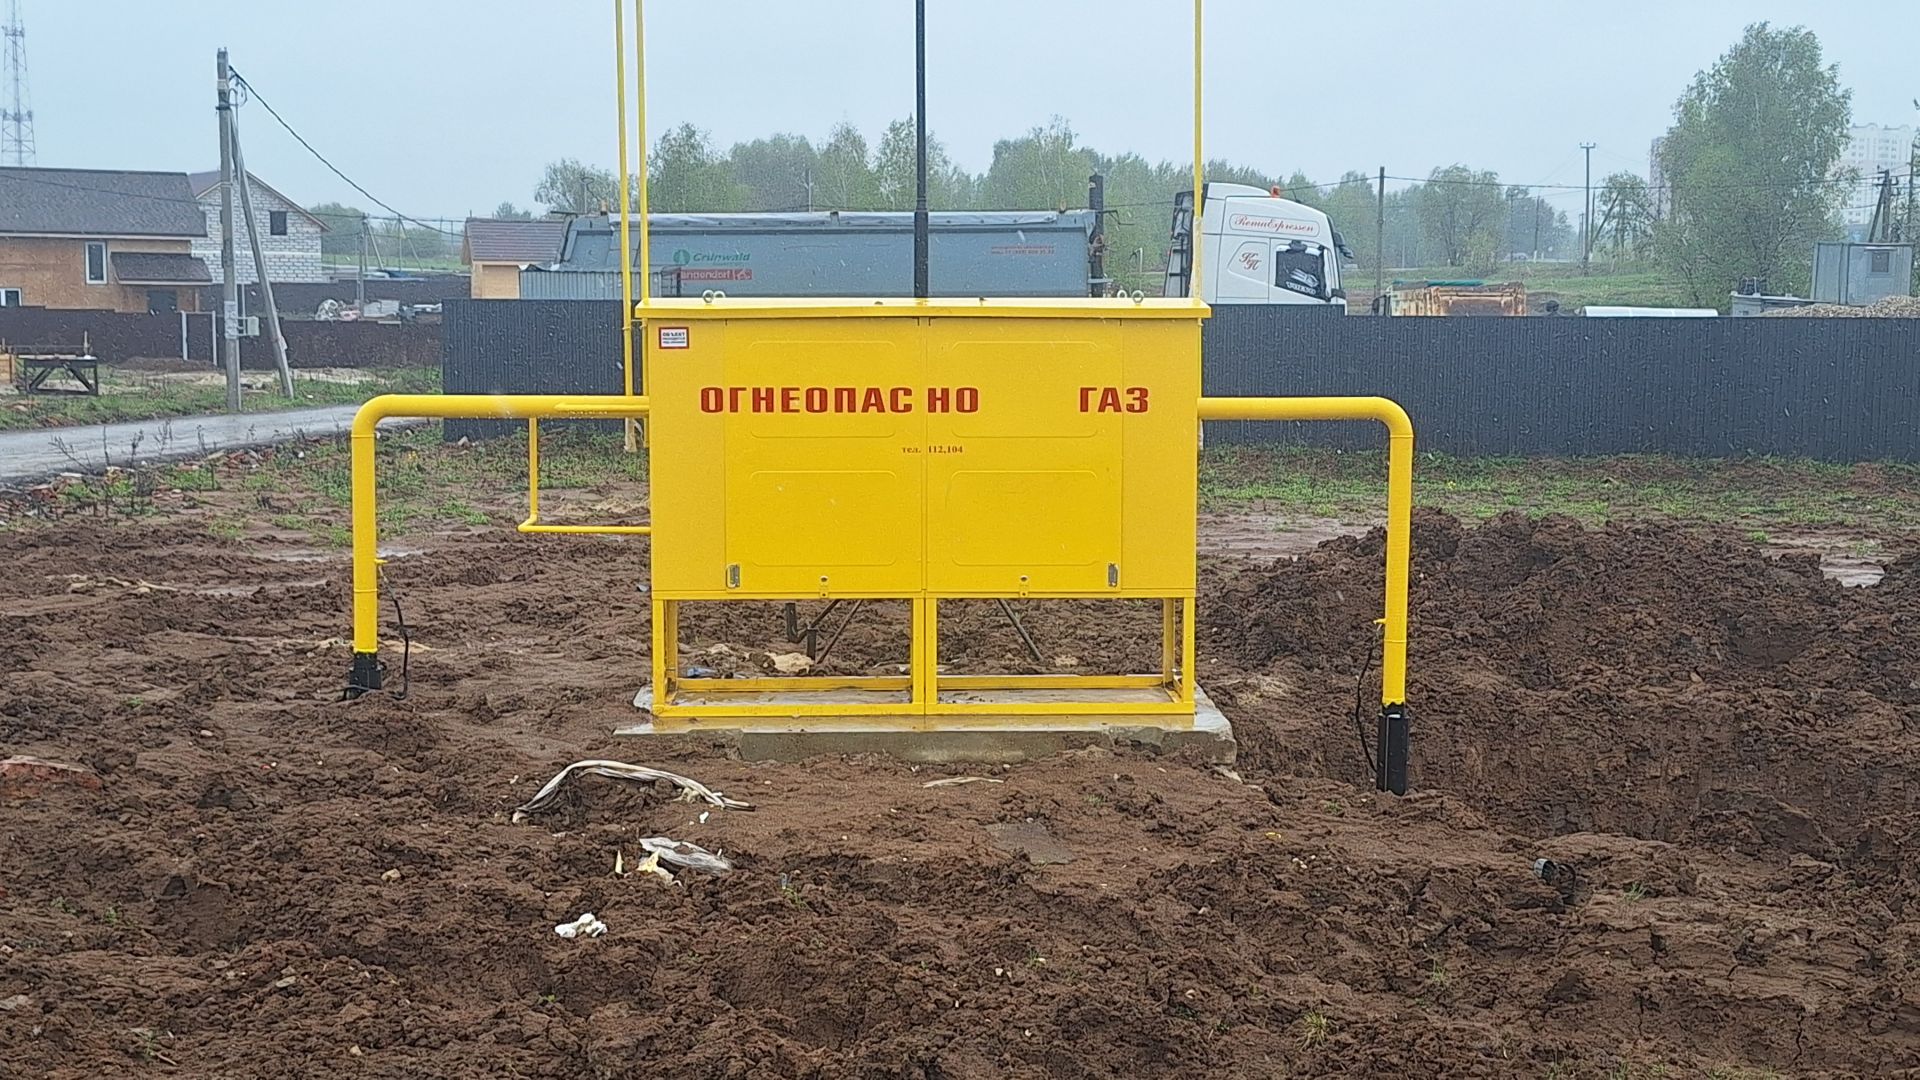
(1256, 248)
(831, 253)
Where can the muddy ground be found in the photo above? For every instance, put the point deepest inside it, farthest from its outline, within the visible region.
(1710, 746)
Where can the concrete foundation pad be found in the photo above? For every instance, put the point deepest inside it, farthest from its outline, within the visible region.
(982, 739)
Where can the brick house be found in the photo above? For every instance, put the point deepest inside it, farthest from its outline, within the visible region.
(100, 238)
(289, 235)
(498, 249)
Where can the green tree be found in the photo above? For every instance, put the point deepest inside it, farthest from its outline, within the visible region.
(571, 187)
(844, 179)
(1751, 158)
(344, 225)
(1625, 209)
(776, 171)
(1535, 227)
(1463, 214)
(1351, 204)
(506, 211)
(893, 171)
(1042, 170)
(686, 176)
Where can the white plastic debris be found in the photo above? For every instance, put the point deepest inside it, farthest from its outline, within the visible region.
(651, 865)
(620, 770)
(681, 853)
(584, 926)
(956, 781)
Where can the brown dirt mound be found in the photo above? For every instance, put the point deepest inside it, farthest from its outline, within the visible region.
(1709, 747)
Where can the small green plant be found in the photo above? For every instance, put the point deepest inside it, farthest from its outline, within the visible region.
(112, 916)
(790, 892)
(1333, 807)
(549, 998)
(1314, 1028)
(61, 905)
(225, 529)
(1758, 536)
(1438, 976)
(1636, 892)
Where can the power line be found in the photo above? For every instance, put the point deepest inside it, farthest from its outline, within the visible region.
(322, 158)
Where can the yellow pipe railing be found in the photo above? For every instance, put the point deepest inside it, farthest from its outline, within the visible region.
(626, 261)
(366, 529)
(533, 524)
(1193, 240)
(1393, 654)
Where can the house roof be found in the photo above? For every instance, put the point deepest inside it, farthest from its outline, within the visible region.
(98, 202)
(208, 181)
(159, 268)
(495, 240)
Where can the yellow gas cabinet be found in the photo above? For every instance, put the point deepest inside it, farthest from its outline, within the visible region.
(920, 451)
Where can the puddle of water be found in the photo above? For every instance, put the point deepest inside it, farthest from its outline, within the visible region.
(1269, 536)
(1850, 570)
(249, 590)
(310, 555)
(300, 555)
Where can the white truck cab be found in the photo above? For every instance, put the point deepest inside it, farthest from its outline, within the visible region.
(1257, 248)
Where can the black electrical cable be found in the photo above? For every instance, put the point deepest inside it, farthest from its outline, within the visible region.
(406, 646)
(1359, 705)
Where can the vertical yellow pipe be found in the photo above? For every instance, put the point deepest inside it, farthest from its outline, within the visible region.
(366, 543)
(640, 79)
(646, 246)
(1193, 275)
(1188, 631)
(626, 268)
(533, 469)
(1393, 651)
(663, 641)
(1169, 643)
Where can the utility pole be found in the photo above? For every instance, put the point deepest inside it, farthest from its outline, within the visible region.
(1380, 243)
(920, 220)
(229, 288)
(16, 119)
(1586, 222)
(360, 279)
(259, 260)
(1536, 227)
(1097, 242)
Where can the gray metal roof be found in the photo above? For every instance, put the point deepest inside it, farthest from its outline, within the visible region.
(98, 202)
(511, 241)
(159, 268)
(591, 240)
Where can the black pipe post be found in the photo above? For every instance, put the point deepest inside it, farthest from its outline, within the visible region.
(920, 150)
(1097, 243)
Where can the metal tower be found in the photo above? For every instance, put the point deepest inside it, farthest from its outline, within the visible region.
(16, 120)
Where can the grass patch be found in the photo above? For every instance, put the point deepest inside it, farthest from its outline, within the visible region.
(139, 395)
(426, 483)
(1761, 496)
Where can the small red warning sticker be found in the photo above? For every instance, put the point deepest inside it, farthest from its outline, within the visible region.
(673, 337)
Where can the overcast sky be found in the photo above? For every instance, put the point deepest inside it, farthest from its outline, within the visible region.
(441, 107)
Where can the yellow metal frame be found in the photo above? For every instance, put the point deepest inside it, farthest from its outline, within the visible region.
(922, 685)
(923, 682)
(914, 699)
(533, 524)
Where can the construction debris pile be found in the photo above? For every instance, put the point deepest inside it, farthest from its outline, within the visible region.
(1889, 307)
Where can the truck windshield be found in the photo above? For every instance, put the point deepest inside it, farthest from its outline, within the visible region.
(1301, 268)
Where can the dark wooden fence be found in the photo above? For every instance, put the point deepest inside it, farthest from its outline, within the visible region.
(117, 337)
(1839, 389)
